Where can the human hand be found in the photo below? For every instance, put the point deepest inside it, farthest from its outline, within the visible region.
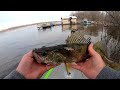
(31, 69)
(91, 67)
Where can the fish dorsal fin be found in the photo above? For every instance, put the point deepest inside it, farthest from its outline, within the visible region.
(101, 45)
(77, 38)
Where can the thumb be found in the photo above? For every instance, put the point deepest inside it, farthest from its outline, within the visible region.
(29, 54)
(91, 50)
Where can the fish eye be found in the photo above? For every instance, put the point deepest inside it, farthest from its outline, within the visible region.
(44, 53)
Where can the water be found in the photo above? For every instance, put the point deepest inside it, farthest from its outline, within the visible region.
(15, 43)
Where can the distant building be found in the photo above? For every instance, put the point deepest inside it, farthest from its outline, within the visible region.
(69, 20)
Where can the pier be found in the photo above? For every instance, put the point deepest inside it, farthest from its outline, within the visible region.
(45, 25)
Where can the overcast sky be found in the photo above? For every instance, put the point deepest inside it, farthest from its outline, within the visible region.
(15, 18)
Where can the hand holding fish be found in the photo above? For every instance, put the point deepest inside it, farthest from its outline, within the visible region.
(91, 67)
(31, 69)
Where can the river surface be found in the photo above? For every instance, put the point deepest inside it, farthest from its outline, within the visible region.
(15, 43)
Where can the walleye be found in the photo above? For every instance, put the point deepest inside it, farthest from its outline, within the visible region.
(61, 53)
(70, 52)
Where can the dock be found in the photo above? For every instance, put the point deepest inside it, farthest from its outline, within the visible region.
(46, 25)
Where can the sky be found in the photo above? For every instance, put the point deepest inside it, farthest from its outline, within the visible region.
(15, 18)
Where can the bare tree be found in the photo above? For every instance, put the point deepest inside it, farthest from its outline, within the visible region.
(113, 36)
(90, 15)
(113, 18)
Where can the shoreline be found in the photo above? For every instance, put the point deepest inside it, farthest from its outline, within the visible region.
(15, 27)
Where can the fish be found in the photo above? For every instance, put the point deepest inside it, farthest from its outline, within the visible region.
(69, 52)
(60, 54)
(74, 51)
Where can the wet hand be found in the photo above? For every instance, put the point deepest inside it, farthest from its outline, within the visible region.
(31, 69)
(91, 67)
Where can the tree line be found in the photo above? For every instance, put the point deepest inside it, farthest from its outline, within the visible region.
(109, 17)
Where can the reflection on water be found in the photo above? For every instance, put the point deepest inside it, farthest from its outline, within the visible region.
(14, 44)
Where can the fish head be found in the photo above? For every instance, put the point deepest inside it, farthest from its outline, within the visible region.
(48, 57)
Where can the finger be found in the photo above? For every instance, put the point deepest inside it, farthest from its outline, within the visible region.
(91, 50)
(76, 67)
(29, 54)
